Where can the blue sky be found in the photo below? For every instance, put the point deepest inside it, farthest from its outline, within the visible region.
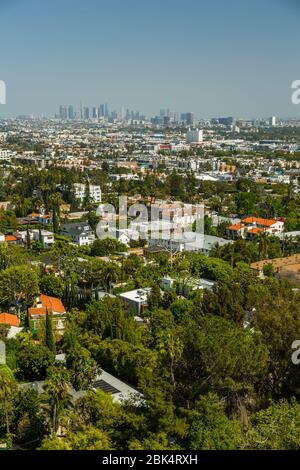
(212, 57)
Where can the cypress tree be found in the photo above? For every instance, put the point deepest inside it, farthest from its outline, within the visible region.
(55, 220)
(40, 236)
(50, 343)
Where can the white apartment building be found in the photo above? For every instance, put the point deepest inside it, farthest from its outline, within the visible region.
(6, 154)
(194, 136)
(94, 190)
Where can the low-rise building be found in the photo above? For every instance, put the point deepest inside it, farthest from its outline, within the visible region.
(137, 300)
(250, 227)
(80, 233)
(46, 304)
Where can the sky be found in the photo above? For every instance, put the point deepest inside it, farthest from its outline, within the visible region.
(214, 58)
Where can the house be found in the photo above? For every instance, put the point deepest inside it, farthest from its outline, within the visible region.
(187, 241)
(47, 238)
(46, 304)
(137, 300)
(167, 283)
(119, 390)
(9, 319)
(80, 233)
(37, 218)
(235, 231)
(250, 227)
(192, 285)
(11, 239)
(13, 322)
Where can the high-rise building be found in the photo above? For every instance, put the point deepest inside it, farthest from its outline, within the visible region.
(63, 112)
(71, 114)
(226, 121)
(95, 112)
(106, 110)
(86, 112)
(101, 110)
(273, 121)
(190, 119)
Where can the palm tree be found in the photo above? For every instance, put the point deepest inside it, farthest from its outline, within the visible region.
(263, 244)
(55, 201)
(58, 395)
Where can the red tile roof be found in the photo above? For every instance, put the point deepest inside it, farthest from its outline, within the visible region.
(49, 304)
(235, 227)
(255, 230)
(9, 319)
(10, 238)
(52, 303)
(37, 311)
(257, 220)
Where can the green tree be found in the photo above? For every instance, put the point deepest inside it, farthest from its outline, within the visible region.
(57, 394)
(33, 361)
(210, 428)
(275, 428)
(83, 368)
(8, 389)
(50, 341)
(52, 285)
(106, 247)
(18, 283)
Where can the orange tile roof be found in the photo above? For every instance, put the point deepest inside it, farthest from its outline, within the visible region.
(235, 227)
(9, 319)
(37, 311)
(257, 220)
(52, 303)
(255, 230)
(10, 238)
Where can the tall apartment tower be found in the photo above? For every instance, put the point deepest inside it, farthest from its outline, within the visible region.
(71, 114)
(190, 119)
(63, 112)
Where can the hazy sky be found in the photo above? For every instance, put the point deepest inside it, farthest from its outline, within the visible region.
(212, 57)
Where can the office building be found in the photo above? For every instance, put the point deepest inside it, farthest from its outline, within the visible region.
(86, 112)
(63, 112)
(71, 114)
(190, 119)
(95, 112)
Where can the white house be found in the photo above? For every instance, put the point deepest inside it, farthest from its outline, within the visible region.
(137, 299)
(80, 233)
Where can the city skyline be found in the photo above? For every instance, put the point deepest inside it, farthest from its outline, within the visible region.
(215, 59)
